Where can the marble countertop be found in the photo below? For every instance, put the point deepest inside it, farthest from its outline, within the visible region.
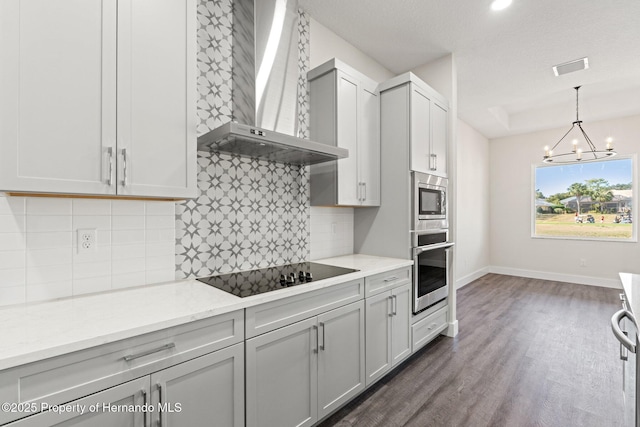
(32, 332)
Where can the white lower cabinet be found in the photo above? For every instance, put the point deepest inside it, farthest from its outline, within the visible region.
(300, 373)
(98, 410)
(208, 390)
(387, 331)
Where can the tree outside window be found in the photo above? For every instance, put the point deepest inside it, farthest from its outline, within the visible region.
(591, 200)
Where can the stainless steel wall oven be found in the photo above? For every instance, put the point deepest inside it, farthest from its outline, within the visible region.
(431, 264)
(431, 248)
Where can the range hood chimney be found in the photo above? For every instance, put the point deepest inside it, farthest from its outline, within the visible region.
(265, 89)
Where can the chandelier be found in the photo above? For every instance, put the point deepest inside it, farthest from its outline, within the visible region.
(577, 154)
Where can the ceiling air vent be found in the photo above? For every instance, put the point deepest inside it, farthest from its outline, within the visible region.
(571, 66)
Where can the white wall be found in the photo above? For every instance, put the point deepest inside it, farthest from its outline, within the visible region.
(513, 250)
(472, 237)
(325, 45)
(38, 256)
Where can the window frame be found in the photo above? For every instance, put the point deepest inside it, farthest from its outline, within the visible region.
(634, 203)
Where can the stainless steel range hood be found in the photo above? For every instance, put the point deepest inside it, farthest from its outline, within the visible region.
(265, 89)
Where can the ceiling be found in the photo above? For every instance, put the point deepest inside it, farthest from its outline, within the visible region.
(505, 82)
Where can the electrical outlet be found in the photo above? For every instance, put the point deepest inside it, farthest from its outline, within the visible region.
(583, 262)
(87, 240)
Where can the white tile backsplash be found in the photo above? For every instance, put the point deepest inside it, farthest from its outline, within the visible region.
(48, 257)
(12, 241)
(13, 295)
(331, 232)
(38, 246)
(48, 206)
(12, 223)
(91, 207)
(12, 277)
(12, 259)
(12, 206)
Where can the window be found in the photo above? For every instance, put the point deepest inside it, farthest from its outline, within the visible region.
(593, 200)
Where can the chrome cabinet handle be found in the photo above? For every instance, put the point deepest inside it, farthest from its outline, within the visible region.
(364, 186)
(130, 357)
(322, 347)
(124, 167)
(144, 405)
(160, 399)
(315, 328)
(434, 162)
(395, 305)
(109, 153)
(391, 300)
(615, 327)
(624, 353)
(391, 279)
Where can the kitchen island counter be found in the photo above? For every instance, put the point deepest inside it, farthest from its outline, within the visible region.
(36, 331)
(631, 287)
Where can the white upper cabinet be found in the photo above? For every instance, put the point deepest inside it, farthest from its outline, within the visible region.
(344, 112)
(98, 97)
(427, 124)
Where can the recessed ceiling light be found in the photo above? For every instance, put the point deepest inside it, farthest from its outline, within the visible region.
(500, 4)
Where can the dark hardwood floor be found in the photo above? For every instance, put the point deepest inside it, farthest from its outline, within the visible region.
(529, 353)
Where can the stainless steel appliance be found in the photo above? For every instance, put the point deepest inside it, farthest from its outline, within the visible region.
(429, 206)
(431, 265)
(264, 77)
(625, 328)
(254, 282)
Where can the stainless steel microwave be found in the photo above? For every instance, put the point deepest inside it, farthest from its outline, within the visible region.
(429, 202)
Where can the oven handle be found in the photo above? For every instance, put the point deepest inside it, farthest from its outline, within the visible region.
(417, 251)
(615, 327)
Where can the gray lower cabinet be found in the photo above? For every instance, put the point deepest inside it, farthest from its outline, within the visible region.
(206, 391)
(299, 373)
(387, 331)
(98, 410)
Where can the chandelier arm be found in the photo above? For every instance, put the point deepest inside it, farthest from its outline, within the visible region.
(563, 136)
(586, 137)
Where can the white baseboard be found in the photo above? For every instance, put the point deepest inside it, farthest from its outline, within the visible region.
(558, 277)
(463, 281)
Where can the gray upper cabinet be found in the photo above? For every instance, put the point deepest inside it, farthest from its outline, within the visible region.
(425, 129)
(344, 112)
(98, 97)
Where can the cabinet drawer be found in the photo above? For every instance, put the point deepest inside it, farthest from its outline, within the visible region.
(276, 314)
(385, 281)
(428, 328)
(74, 375)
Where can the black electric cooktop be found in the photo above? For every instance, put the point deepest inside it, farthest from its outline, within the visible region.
(254, 282)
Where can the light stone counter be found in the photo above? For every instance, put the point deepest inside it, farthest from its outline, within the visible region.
(631, 287)
(32, 332)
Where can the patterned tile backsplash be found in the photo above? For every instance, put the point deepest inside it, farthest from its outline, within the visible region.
(249, 213)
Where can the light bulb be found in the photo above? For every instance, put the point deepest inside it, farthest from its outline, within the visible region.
(500, 4)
